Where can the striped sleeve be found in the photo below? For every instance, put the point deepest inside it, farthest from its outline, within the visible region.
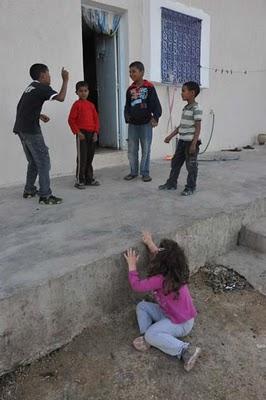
(197, 113)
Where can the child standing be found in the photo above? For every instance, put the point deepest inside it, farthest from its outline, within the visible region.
(188, 144)
(173, 316)
(27, 127)
(142, 113)
(84, 123)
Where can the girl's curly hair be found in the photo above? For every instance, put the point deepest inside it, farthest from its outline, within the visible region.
(171, 262)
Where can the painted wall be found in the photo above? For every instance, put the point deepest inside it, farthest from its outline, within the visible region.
(36, 31)
(237, 41)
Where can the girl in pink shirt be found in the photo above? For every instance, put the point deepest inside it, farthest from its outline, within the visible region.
(172, 316)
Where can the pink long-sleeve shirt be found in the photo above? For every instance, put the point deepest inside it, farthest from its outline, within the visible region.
(178, 309)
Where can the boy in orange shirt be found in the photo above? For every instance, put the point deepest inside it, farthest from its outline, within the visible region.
(84, 123)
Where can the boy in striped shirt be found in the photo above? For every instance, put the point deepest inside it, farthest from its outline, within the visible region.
(188, 144)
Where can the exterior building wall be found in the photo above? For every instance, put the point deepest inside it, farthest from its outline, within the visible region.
(38, 31)
(50, 32)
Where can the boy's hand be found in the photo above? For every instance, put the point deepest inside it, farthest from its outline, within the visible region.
(64, 74)
(154, 123)
(81, 136)
(44, 118)
(167, 139)
(192, 148)
(132, 259)
(95, 137)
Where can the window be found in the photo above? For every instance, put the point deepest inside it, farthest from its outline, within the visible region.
(168, 26)
(180, 47)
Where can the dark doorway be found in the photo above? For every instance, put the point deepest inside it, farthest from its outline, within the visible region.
(100, 64)
(89, 62)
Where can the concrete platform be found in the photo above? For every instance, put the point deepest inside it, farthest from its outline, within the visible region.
(61, 266)
(254, 236)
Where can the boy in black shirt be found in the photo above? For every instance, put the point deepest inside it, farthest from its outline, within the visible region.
(27, 127)
(142, 113)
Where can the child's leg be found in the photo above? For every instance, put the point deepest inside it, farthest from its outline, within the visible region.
(148, 313)
(163, 335)
(90, 155)
(133, 149)
(40, 154)
(192, 167)
(32, 170)
(82, 150)
(145, 141)
(177, 163)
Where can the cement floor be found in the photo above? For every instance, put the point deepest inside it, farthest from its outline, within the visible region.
(42, 242)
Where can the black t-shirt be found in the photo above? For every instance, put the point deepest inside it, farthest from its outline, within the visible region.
(30, 106)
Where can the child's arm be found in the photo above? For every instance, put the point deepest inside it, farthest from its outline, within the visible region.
(156, 108)
(127, 108)
(96, 123)
(173, 134)
(193, 146)
(144, 285)
(147, 240)
(72, 118)
(62, 93)
(197, 115)
(137, 284)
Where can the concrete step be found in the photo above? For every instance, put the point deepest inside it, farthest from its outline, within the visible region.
(248, 263)
(61, 268)
(254, 235)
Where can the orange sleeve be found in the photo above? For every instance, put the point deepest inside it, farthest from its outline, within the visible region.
(72, 119)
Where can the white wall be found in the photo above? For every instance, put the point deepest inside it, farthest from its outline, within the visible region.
(38, 31)
(238, 32)
(50, 32)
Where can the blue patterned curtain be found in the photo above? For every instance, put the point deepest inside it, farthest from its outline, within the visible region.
(101, 21)
(180, 47)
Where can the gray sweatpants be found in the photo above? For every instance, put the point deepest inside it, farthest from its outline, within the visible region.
(159, 331)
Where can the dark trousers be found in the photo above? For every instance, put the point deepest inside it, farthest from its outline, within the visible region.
(182, 155)
(85, 155)
(37, 154)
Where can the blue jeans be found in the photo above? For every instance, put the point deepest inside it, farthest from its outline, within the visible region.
(160, 331)
(139, 134)
(37, 154)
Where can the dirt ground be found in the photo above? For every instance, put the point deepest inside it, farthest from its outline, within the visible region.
(101, 364)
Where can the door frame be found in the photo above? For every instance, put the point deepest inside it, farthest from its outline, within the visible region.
(122, 65)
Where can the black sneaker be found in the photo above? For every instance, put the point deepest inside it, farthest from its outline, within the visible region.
(166, 186)
(28, 195)
(146, 178)
(80, 185)
(187, 192)
(51, 200)
(92, 183)
(129, 177)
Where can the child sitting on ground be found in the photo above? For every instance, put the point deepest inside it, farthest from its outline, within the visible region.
(162, 324)
(84, 123)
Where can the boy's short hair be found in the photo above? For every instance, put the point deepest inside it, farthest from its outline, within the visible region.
(137, 64)
(191, 85)
(81, 84)
(36, 70)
